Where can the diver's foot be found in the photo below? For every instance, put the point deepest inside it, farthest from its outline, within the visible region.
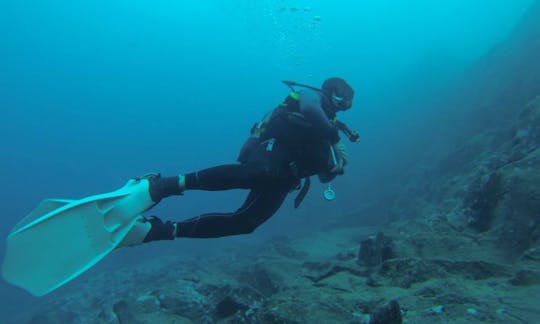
(160, 231)
(160, 187)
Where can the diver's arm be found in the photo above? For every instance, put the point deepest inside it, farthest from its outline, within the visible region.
(311, 109)
(353, 136)
(340, 157)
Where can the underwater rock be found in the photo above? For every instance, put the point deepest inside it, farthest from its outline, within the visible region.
(427, 292)
(406, 272)
(532, 254)
(373, 281)
(443, 296)
(472, 311)
(148, 303)
(389, 313)
(53, 317)
(525, 278)
(375, 251)
(183, 305)
(480, 201)
(227, 301)
(436, 310)
(261, 280)
(228, 307)
(330, 270)
(346, 255)
(317, 266)
(523, 143)
(41, 319)
(518, 229)
(475, 270)
(125, 313)
(106, 316)
(368, 306)
(527, 131)
(271, 317)
(454, 299)
(284, 248)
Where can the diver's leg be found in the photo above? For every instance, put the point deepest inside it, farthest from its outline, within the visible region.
(228, 176)
(223, 177)
(267, 195)
(259, 206)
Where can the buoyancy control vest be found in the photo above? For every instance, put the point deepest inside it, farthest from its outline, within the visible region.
(304, 155)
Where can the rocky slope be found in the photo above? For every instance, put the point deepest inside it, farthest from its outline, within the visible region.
(484, 196)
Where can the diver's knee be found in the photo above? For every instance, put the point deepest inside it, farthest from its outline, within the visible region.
(247, 228)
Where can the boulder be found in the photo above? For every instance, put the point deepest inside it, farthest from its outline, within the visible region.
(481, 200)
(374, 251)
(227, 307)
(389, 313)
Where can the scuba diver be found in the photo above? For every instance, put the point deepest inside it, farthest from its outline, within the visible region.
(296, 140)
(62, 238)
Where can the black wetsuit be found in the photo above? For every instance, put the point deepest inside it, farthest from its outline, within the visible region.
(294, 145)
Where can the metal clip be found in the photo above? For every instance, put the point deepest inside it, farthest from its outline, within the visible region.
(270, 145)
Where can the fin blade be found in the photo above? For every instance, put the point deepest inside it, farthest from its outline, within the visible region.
(45, 206)
(61, 239)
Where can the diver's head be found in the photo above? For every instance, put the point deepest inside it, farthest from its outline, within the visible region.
(339, 94)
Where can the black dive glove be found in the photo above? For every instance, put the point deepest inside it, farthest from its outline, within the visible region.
(160, 231)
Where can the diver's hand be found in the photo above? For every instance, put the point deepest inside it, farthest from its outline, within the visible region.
(353, 137)
(342, 158)
(342, 152)
(339, 168)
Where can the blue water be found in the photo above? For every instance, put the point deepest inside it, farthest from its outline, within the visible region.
(95, 92)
